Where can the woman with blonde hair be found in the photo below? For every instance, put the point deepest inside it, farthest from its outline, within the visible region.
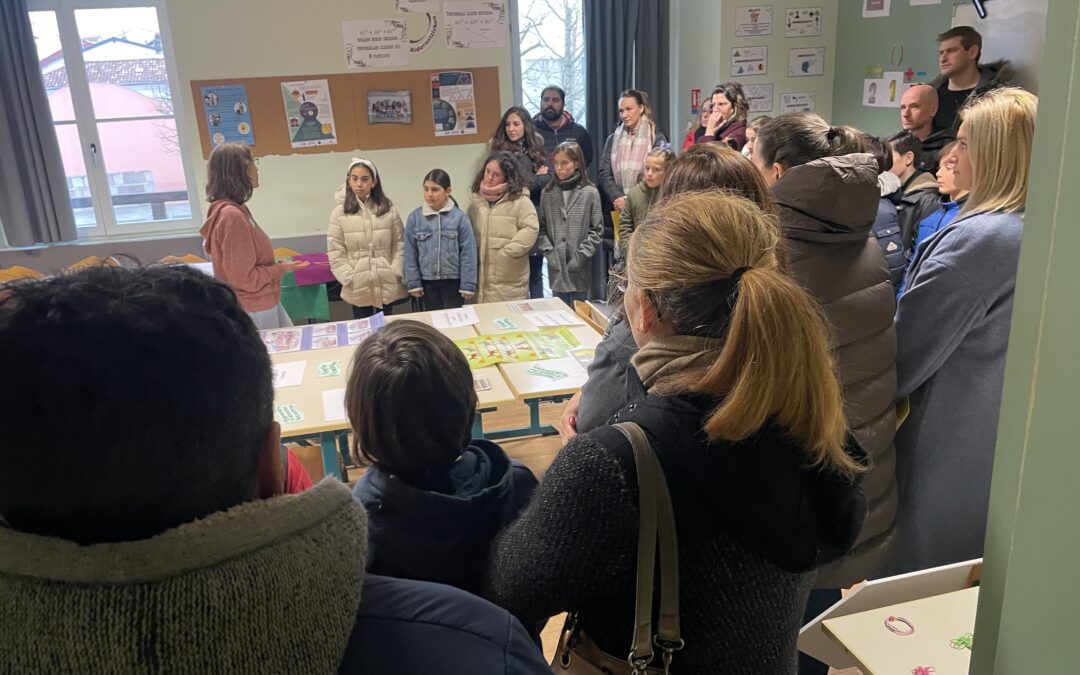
(952, 329)
(742, 406)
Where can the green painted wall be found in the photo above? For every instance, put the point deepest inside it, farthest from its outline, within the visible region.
(1027, 607)
(862, 42)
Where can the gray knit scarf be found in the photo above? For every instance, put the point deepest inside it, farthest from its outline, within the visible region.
(672, 364)
(269, 586)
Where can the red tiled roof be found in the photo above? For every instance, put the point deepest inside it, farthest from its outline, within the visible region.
(126, 72)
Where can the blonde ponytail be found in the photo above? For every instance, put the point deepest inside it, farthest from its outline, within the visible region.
(708, 260)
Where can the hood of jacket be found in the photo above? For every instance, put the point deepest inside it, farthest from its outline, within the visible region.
(339, 194)
(759, 489)
(214, 217)
(443, 536)
(991, 75)
(888, 183)
(829, 199)
(540, 121)
(222, 594)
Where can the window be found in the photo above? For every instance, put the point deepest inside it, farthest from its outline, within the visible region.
(110, 82)
(551, 43)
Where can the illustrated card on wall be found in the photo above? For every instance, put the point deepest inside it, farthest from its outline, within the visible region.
(747, 61)
(375, 42)
(753, 21)
(475, 24)
(872, 9)
(760, 97)
(308, 113)
(803, 22)
(806, 62)
(453, 103)
(227, 114)
(798, 102)
(389, 107)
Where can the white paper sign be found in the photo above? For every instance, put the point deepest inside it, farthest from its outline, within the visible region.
(799, 102)
(551, 319)
(760, 97)
(753, 21)
(455, 318)
(872, 9)
(746, 61)
(806, 62)
(915, 3)
(333, 403)
(289, 374)
(803, 22)
(884, 92)
(372, 43)
(475, 24)
(417, 6)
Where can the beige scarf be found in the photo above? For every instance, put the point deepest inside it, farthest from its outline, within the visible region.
(673, 364)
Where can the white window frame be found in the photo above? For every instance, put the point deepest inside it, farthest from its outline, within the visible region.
(107, 228)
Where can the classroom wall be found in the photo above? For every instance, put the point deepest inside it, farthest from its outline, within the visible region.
(1012, 30)
(707, 36)
(252, 38)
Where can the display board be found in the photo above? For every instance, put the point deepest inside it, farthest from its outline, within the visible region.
(348, 98)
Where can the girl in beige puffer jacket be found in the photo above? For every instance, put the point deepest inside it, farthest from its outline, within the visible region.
(365, 243)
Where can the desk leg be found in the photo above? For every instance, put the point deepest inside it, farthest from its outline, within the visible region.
(535, 428)
(478, 423)
(329, 447)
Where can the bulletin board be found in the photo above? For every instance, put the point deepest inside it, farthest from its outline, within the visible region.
(348, 97)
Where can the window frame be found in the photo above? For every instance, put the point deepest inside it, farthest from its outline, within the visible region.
(107, 227)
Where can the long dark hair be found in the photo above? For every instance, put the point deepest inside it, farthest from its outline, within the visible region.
(515, 184)
(577, 156)
(227, 173)
(377, 196)
(794, 139)
(532, 143)
(440, 178)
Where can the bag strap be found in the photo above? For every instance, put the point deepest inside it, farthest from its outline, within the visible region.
(657, 519)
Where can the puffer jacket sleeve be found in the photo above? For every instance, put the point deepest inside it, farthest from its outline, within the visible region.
(466, 252)
(397, 243)
(335, 248)
(528, 228)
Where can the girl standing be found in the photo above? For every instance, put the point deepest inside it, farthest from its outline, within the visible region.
(641, 197)
(571, 224)
(440, 249)
(505, 226)
(240, 251)
(365, 242)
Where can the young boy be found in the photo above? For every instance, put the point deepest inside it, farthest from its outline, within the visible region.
(435, 498)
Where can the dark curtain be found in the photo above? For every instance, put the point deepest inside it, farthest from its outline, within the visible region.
(35, 206)
(652, 59)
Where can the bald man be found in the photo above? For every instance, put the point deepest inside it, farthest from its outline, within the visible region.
(918, 105)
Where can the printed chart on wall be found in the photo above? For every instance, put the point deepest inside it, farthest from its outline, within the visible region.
(798, 102)
(308, 113)
(760, 97)
(227, 114)
(803, 22)
(753, 21)
(885, 91)
(749, 61)
(475, 24)
(375, 42)
(453, 103)
(806, 62)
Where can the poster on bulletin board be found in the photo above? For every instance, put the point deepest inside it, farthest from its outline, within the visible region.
(453, 103)
(227, 114)
(308, 113)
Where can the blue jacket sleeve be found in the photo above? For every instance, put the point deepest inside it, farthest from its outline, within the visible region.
(413, 278)
(467, 253)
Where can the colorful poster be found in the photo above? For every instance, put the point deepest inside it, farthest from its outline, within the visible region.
(487, 350)
(475, 24)
(753, 21)
(798, 102)
(872, 9)
(806, 62)
(747, 61)
(389, 107)
(227, 115)
(375, 42)
(453, 103)
(885, 91)
(308, 113)
(803, 22)
(760, 97)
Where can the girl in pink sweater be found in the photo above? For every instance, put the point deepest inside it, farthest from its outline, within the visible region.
(241, 252)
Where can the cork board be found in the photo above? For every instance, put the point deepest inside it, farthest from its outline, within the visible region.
(348, 97)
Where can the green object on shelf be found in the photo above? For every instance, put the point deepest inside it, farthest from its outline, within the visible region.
(304, 302)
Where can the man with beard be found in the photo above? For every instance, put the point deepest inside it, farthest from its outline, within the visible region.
(557, 125)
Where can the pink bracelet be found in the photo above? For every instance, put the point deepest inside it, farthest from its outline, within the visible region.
(899, 631)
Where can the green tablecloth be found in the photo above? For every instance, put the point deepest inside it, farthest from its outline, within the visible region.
(304, 302)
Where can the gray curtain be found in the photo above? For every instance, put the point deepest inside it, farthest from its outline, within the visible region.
(652, 59)
(35, 206)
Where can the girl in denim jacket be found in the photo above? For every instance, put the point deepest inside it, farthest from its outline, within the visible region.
(440, 248)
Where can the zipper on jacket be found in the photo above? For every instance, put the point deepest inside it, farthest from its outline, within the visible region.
(438, 249)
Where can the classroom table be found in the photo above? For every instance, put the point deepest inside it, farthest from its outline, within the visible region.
(532, 383)
(932, 635)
